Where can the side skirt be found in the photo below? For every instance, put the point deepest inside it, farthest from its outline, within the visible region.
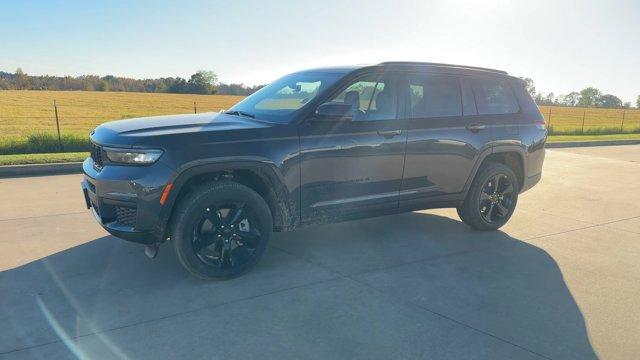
(437, 202)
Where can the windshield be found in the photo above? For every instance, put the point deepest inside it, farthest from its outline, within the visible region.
(278, 101)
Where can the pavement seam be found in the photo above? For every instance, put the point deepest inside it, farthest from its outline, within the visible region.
(148, 321)
(587, 227)
(309, 261)
(615, 221)
(424, 260)
(563, 232)
(423, 308)
(43, 216)
(350, 277)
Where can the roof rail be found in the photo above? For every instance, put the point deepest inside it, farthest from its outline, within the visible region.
(441, 64)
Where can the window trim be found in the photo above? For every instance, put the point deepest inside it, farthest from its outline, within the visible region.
(468, 78)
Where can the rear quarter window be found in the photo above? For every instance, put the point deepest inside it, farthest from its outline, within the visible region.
(494, 96)
(527, 105)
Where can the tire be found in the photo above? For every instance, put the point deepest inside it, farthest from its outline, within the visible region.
(220, 230)
(483, 208)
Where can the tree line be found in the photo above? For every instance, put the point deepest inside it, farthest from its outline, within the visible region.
(206, 82)
(202, 82)
(587, 97)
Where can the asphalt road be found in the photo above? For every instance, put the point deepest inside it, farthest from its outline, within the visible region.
(561, 280)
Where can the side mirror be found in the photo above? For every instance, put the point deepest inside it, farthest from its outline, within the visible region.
(334, 111)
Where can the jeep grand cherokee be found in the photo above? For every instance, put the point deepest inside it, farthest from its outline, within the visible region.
(317, 146)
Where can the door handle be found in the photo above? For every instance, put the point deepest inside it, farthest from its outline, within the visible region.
(389, 133)
(474, 128)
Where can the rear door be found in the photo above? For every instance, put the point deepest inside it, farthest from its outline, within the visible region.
(445, 136)
(353, 166)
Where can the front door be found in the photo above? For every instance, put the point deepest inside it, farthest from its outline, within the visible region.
(354, 165)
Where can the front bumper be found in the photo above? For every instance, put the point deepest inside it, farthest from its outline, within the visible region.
(125, 200)
(530, 181)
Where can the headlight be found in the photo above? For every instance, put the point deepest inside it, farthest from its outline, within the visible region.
(133, 156)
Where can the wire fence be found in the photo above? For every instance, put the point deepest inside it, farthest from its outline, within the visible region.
(71, 116)
(576, 120)
(78, 114)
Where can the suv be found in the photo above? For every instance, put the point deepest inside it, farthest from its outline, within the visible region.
(317, 146)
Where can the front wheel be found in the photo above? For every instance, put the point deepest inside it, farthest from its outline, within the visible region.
(221, 229)
(491, 199)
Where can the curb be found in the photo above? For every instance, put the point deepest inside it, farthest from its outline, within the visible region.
(565, 144)
(40, 169)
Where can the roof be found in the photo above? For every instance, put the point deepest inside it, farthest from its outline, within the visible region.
(411, 64)
(441, 65)
(337, 69)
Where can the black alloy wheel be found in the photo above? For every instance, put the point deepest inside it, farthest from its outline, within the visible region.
(221, 229)
(496, 198)
(224, 236)
(492, 197)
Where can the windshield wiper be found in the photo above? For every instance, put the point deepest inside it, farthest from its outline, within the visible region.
(240, 113)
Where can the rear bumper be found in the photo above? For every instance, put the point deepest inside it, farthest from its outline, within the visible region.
(533, 166)
(125, 200)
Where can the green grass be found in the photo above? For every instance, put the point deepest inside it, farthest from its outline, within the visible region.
(556, 138)
(594, 131)
(23, 159)
(42, 142)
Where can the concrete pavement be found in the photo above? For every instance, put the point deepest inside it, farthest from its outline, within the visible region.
(561, 280)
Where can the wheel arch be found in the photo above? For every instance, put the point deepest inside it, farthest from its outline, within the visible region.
(510, 155)
(260, 176)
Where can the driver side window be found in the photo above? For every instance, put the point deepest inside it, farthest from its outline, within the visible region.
(372, 97)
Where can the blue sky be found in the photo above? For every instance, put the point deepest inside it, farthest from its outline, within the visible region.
(562, 45)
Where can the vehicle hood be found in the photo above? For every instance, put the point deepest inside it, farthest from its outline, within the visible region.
(136, 131)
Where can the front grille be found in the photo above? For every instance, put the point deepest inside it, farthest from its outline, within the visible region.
(96, 154)
(126, 216)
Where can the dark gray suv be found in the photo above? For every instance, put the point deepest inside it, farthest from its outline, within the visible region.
(317, 146)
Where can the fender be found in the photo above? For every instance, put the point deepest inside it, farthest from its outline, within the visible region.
(495, 149)
(264, 168)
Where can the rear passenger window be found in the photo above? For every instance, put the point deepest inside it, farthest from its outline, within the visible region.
(434, 96)
(494, 97)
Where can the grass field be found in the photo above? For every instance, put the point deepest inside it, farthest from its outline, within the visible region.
(23, 159)
(568, 120)
(25, 113)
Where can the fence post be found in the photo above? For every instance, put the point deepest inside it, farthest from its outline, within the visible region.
(584, 114)
(549, 125)
(195, 109)
(55, 109)
(622, 125)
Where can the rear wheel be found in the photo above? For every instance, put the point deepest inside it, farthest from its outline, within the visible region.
(221, 230)
(491, 199)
